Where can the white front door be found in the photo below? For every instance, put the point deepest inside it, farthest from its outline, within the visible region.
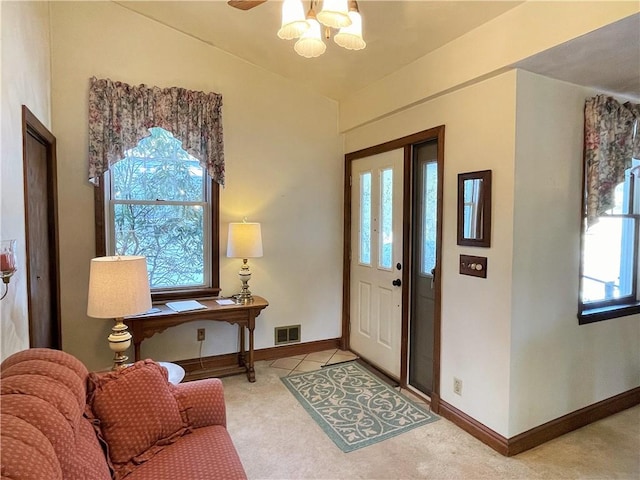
(376, 259)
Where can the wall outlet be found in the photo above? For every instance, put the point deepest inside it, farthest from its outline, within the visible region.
(201, 334)
(457, 386)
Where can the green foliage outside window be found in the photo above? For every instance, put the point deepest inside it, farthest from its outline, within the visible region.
(159, 209)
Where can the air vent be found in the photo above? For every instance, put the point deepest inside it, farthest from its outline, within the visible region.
(290, 334)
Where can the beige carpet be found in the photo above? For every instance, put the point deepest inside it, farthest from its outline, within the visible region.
(277, 439)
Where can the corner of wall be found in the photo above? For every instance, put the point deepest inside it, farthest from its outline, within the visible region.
(26, 80)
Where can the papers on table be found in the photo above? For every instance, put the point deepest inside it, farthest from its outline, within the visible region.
(225, 301)
(185, 305)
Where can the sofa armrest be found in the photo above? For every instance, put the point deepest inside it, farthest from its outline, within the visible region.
(202, 402)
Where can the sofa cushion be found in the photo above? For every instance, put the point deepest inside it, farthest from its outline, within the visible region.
(204, 454)
(26, 452)
(137, 412)
(43, 400)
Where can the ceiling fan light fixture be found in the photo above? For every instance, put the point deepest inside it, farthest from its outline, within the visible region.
(310, 44)
(335, 13)
(294, 23)
(351, 37)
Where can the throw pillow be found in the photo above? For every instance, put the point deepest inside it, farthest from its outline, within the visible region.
(137, 413)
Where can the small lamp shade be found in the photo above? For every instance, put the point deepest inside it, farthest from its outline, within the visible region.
(310, 44)
(245, 240)
(118, 286)
(293, 22)
(351, 37)
(335, 13)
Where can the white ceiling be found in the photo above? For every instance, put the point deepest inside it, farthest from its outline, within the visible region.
(607, 59)
(397, 32)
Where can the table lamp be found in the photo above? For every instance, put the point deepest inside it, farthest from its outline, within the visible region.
(245, 241)
(118, 287)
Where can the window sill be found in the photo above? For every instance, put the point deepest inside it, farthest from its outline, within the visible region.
(165, 296)
(606, 313)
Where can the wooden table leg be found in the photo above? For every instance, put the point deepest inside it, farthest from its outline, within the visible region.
(241, 355)
(251, 373)
(136, 350)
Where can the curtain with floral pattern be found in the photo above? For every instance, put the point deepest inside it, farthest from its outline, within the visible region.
(120, 115)
(611, 140)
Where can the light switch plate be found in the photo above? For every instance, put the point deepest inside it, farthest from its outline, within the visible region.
(474, 266)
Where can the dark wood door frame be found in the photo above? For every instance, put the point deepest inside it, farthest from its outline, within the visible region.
(32, 127)
(406, 143)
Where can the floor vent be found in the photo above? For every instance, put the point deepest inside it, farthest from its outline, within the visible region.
(290, 334)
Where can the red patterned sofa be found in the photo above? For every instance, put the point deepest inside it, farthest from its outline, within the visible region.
(58, 421)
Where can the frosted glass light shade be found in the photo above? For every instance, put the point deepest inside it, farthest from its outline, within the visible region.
(118, 287)
(294, 23)
(310, 44)
(334, 13)
(244, 241)
(351, 37)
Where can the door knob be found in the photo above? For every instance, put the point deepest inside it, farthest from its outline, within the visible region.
(397, 282)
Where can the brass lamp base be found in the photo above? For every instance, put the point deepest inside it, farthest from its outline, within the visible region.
(241, 299)
(244, 297)
(119, 342)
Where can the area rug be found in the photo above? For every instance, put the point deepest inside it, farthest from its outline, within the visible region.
(354, 407)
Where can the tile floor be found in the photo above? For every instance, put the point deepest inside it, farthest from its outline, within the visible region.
(310, 362)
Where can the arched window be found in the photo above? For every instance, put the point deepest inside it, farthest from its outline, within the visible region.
(160, 203)
(157, 195)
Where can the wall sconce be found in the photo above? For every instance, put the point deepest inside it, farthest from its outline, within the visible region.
(7, 263)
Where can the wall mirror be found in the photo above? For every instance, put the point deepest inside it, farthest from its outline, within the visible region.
(474, 208)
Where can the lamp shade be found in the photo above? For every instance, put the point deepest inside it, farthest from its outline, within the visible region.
(245, 240)
(334, 13)
(293, 22)
(351, 37)
(310, 44)
(118, 286)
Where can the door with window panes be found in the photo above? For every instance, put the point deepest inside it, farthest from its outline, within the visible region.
(376, 256)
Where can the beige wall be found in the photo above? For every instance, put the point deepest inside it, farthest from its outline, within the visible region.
(284, 169)
(479, 134)
(25, 80)
(557, 366)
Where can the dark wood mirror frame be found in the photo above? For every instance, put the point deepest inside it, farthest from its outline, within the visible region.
(480, 180)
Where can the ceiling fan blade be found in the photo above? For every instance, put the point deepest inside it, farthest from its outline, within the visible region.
(245, 4)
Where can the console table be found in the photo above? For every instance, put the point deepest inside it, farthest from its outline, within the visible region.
(146, 325)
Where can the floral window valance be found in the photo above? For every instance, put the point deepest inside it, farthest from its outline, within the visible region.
(120, 115)
(612, 139)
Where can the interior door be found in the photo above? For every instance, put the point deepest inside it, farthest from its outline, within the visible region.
(376, 259)
(41, 234)
(423, 266)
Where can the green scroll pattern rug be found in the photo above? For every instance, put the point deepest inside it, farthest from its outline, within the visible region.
(354, 407)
